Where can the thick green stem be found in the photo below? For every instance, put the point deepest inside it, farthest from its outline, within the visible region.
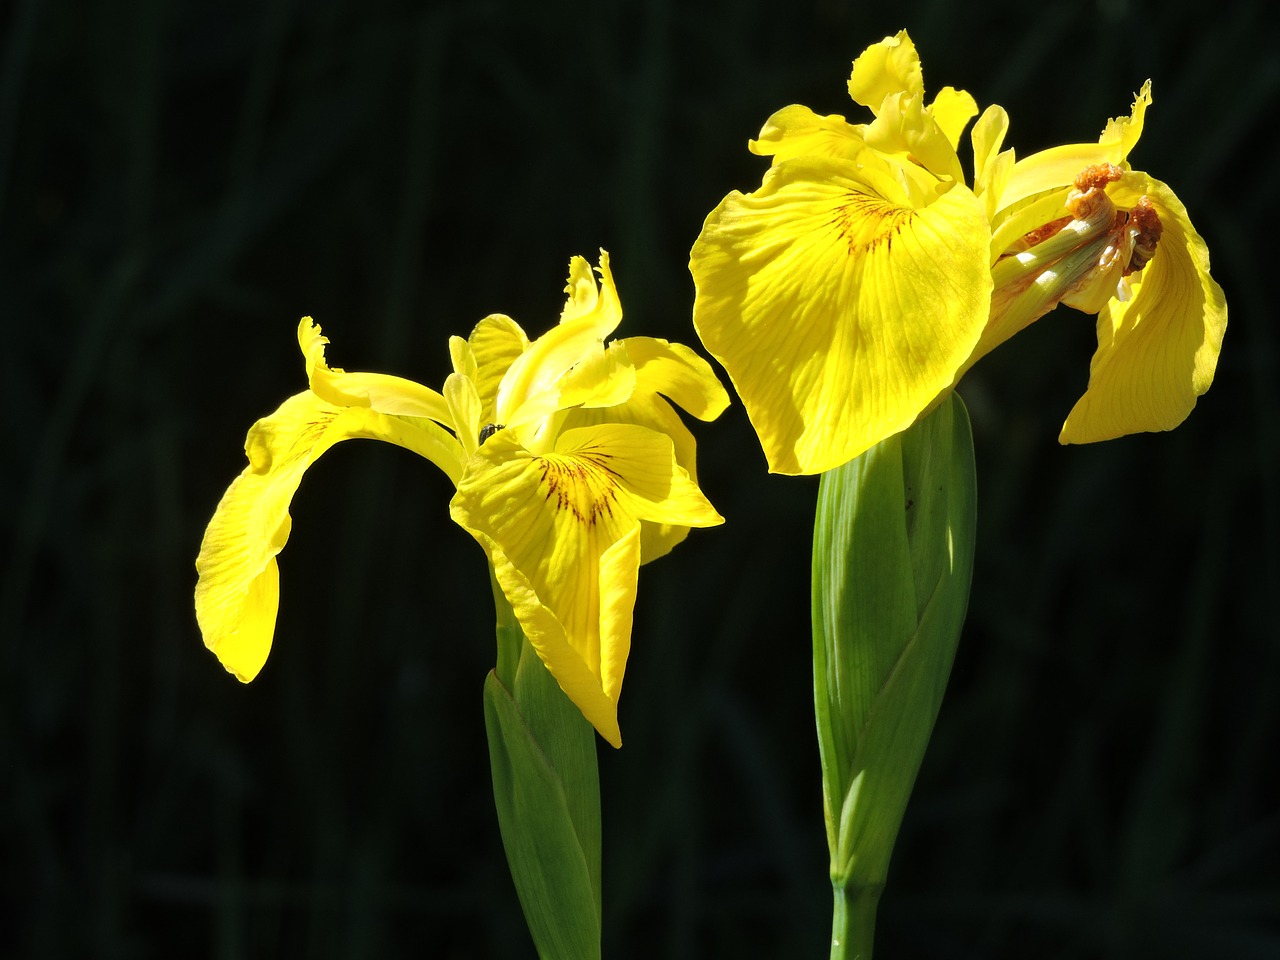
(892, 561)
(853, 921)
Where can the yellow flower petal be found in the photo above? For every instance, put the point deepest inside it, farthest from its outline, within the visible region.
(1157, 352)
(884, 69)
(663, 370)
(377, 391)
(563, 533)
(952, 110)
(1057, 167)
(496, 342)
(991, 167)
(679, 374)
(797, 131)
(839, 311)
(907, 132)
(590, 315)
(603, 377)
(584, 685)
(465, 410)
(238, 590)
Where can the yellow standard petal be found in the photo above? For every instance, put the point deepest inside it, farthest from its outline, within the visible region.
(1157, 350)
(238, 591)
(839, 309)
(531, 386)
(886, 69)
(562, 531)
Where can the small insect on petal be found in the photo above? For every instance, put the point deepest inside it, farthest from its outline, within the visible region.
(488, 430)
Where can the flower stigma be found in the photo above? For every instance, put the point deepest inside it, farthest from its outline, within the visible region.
(1082, 260)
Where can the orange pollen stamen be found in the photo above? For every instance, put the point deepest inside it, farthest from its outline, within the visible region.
(1081, 260)
(1146, 228)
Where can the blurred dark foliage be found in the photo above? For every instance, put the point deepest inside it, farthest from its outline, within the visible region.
(180, 182)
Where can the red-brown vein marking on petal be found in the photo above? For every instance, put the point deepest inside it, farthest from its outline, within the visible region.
(583, 484)
(865, 221)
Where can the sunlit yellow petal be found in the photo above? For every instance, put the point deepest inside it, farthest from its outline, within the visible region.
(679, 374)
(604, 377)
(886, 68)
(1057, 167)
(586, 298)
(465, 410)
(991, 166)
(238, 590)
(1157, 352)
(839, 313)
(589, 317)
(582, 684)
(496, 342)
(1122, 133)
(463, 359)
(643, 474)
(797, 131)
(553, 524)
(546, 523)
(905, 130)
(648, 409)
(952, 110)
(377, 391)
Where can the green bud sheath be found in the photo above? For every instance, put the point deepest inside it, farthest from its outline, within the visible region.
(892, 563)
(547, 791)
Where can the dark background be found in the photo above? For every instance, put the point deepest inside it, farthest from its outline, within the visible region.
(179, 183)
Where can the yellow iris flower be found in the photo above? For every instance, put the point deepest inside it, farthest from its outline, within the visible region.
(851, 291)
(571, 467)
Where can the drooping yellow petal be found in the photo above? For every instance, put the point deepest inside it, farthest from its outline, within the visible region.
(238, 590)
(381, 392)
(1157, 352)
(679, 374)
(553, 526)
(839, 311)
(582, 683)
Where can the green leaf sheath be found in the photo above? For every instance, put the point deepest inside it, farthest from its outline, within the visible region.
(892, 563)
(547, 792)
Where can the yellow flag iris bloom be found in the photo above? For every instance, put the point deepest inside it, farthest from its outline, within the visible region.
(851, 291)
(571, 467)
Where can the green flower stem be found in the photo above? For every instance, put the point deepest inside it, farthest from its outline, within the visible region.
(892, 563)
(546, 788)
(853, 922)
